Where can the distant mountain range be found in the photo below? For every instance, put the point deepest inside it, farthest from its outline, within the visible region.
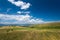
(26, 24)
(15, 24)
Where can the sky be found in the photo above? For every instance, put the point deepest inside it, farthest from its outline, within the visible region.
(29, 11)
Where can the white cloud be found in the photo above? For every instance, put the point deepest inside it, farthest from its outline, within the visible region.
(21, 4)
(19, 12)
(22, 12)
(19, 19)
(25, 6)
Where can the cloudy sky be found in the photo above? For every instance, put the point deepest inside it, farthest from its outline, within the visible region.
(29, 11)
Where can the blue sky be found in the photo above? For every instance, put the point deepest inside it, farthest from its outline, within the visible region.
(29, 11)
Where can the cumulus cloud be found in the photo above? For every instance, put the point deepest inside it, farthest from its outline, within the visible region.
(19, 19)
(21, 4)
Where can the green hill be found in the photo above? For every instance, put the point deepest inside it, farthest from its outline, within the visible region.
(47, 26)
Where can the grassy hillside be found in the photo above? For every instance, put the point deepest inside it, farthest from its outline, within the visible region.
(47, 26)
(50, 31)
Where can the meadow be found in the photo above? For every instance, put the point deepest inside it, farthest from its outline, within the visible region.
(49, 31)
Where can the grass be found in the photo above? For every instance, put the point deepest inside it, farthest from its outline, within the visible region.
(30, 35)
(35, 32)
